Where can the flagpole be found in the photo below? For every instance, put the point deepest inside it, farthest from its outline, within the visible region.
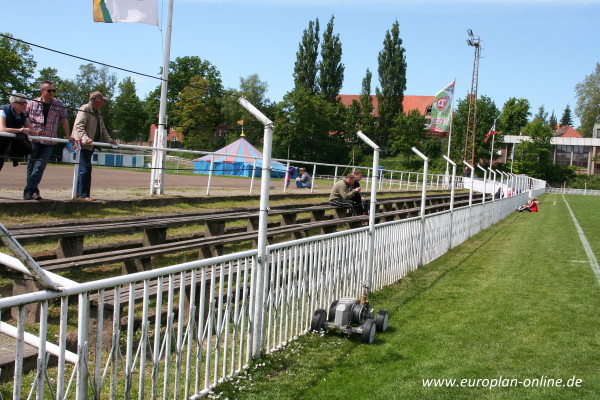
(450, 131)
(160, 139)
(492, 152)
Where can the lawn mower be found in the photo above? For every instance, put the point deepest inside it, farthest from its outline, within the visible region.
(350, 315)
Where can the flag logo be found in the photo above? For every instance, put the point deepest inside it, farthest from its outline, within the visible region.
(441, 103)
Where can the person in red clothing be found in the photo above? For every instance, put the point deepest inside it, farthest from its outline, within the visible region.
(531, 207)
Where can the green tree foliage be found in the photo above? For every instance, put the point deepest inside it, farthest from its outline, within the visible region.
(542, 114)
(181, 71)
(588, 102)
(198, 113)
(129, 115)
(359, 116)
(515, 114)
(307, 128)
(552, 121)
(331, 69)
(45, 74)
(16, 67)
(305, 68)
(407, 131)
(533, 157)
(567, 118)
(89, 79)
(255, 91)
(392, 78)
(486, 113)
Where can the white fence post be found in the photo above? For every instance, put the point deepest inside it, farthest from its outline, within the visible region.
(372, 208)
(263, 261)
(451, 230)
(423, 199)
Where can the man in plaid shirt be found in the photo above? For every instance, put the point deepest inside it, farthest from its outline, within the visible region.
(45, 113)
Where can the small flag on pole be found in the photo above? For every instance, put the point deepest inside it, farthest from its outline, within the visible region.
(491, 132)
(441, 110)
(240, 122)
(142, 11)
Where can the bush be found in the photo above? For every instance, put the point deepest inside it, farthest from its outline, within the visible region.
(585, 182)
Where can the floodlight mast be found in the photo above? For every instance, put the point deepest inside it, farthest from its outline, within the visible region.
(469, 151)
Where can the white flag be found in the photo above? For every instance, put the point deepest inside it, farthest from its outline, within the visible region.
(142, 11)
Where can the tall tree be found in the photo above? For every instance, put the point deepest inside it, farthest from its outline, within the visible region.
(90, 79)
(542, 115)
(308, 128)
(305, 68)
(567, 118)
(533, 157)
(181, 71)
(588, 101)
(17, 67)
(366, 104)
(552, 121)
(331, 69)
(515, 114)
(392, 78)
(129, 115)
(198, 114)
(255, 91)
(408, 131)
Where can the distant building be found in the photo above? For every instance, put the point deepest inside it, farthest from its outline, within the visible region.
(420, 103)
(112, 158)
(174, 138)
(568, 148)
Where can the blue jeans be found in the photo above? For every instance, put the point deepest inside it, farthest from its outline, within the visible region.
(40, 154)
(84, 177)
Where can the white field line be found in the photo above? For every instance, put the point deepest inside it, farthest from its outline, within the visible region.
(586, 244)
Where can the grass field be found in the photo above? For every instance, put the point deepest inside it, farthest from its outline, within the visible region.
(515, 307)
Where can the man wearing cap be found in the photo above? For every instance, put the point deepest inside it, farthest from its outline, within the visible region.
(89, 127)
(45, 113)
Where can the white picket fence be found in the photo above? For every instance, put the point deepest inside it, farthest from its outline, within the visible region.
(206, 318)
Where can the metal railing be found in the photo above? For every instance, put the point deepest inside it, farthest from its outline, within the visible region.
(391, 179)
(585, 192)
(178, 331)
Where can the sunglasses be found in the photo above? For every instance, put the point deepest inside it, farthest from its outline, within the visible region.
(20, 102)
(49, 90)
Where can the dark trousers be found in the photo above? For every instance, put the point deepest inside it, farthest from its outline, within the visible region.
(354, 208)
(84, 177)
(40, 154)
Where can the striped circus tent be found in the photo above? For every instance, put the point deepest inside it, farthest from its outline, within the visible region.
(237, 159)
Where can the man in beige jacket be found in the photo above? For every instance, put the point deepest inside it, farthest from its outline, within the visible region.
(89, 127)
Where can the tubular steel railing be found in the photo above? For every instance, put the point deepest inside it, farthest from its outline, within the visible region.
(178, 331)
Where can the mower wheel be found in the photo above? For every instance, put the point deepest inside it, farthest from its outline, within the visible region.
(331, 315)
(382, 321)
(368, 331)
(318, 320)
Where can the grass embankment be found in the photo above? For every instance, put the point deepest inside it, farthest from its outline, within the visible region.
(517, 303)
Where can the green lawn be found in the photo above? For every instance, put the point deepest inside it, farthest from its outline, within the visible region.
(517, 303)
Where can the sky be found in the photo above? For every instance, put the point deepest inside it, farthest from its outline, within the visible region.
(533, 49)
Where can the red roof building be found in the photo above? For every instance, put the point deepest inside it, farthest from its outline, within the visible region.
(567, 131)
(172, 135)
(420, 103)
